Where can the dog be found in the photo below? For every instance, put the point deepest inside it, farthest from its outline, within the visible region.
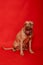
(23, 39)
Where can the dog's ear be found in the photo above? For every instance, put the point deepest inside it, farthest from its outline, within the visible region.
(26, 22)
(31, 24)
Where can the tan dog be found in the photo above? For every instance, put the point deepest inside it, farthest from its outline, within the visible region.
(22, 38)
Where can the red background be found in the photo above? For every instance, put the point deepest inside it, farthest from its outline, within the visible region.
(13, 14)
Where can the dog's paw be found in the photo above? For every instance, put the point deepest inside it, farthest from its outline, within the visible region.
(32, 52)
(22, 54)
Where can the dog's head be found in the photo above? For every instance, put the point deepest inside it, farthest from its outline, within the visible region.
(28, 27)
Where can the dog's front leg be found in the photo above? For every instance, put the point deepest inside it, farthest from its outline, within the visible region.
(21, 49)
(30, 47)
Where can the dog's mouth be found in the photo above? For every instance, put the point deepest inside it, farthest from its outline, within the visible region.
(28, 31)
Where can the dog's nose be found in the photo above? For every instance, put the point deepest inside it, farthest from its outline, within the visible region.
(27, 28)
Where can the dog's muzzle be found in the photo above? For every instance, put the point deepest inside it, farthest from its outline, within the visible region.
(28, 30)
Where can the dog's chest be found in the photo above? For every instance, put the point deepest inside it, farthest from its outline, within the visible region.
(24, 36)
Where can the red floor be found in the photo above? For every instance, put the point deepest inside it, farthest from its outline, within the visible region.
(13, 58)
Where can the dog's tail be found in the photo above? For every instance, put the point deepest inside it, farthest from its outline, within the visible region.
(4, 48)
